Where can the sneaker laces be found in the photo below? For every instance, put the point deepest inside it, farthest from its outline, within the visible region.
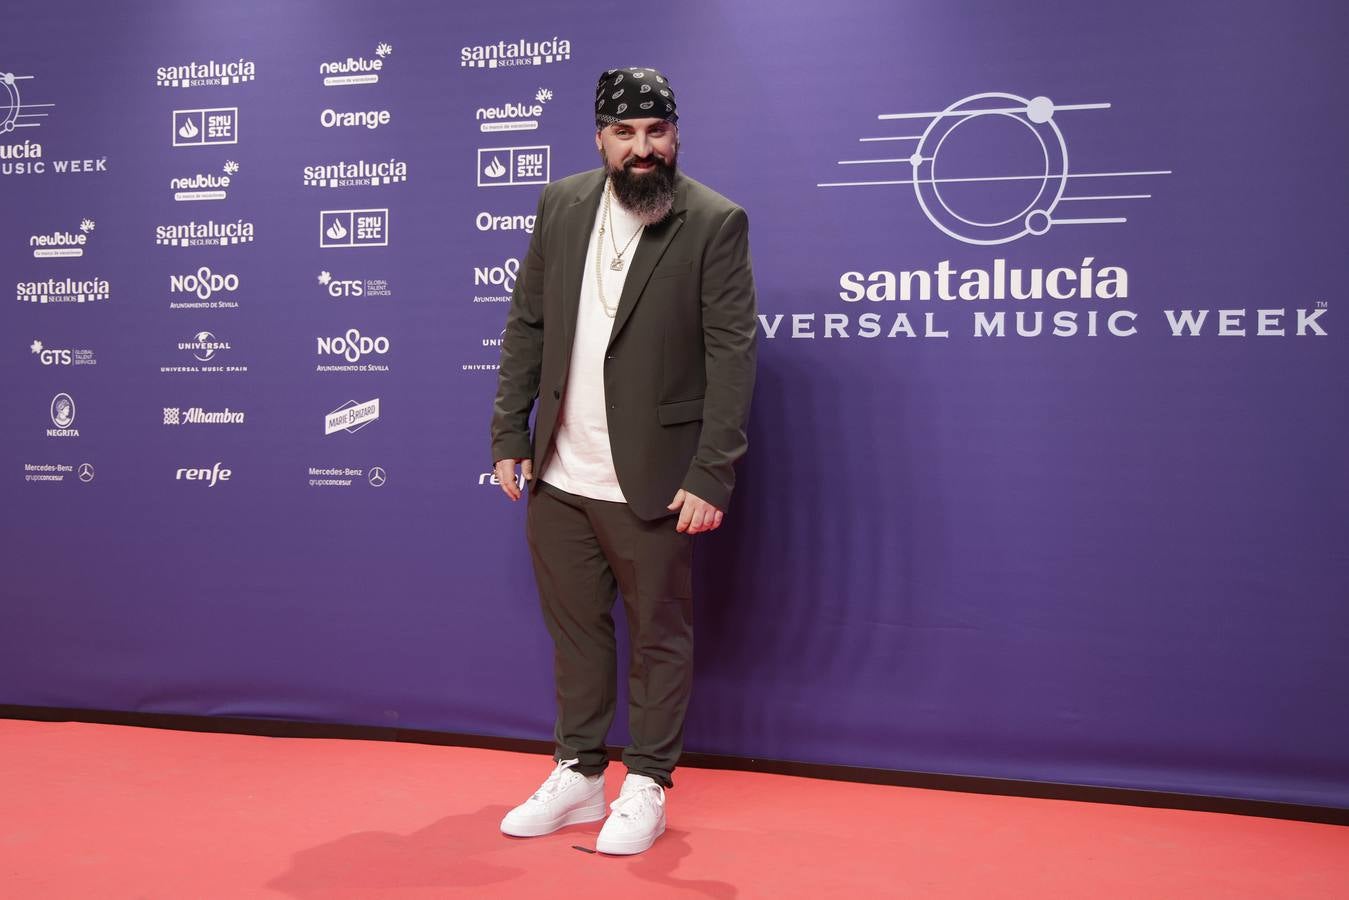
(648, 796)
(556, 781)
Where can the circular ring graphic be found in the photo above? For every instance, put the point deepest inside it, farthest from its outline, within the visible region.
(10, 114)
(1035, 218)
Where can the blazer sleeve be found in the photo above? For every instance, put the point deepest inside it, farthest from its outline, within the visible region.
(521, 353)
(729, 334)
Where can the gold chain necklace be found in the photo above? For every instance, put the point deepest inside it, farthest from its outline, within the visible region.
(616, 264)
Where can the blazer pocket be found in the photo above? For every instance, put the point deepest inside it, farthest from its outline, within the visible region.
(672, 269)
(680, 411)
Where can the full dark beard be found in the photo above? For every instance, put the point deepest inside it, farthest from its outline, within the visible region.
(647, 195)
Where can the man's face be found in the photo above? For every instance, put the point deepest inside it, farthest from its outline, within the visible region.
(636, 145)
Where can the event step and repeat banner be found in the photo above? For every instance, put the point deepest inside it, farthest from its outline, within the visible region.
(1047, 473)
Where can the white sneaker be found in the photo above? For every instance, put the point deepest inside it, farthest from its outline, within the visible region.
(638, 817)
(566, 798)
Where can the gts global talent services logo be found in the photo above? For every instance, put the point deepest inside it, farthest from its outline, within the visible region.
(508, 54)
(205, 185)
(356, 173)
(205, 127)
(354, 287)
(205, 74)
(62, 244)
(356, 69)
(65, 356)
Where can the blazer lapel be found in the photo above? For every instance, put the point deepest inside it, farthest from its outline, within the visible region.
(578, 220)
(649, 251)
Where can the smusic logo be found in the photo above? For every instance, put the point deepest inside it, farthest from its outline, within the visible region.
(513, 165)
(213, 72)
(205, 127)
(353, 228)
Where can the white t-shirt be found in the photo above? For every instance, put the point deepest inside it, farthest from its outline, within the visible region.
(582, 461)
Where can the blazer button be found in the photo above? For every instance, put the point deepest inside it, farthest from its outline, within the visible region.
(557, 395)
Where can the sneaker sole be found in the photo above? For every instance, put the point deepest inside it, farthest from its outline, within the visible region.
(627, 848)
(592, 813)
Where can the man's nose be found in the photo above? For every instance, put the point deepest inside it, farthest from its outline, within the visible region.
(641, 146)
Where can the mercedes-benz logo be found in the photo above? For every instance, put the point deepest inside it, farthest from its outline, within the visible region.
(377, 476)
(86, 473)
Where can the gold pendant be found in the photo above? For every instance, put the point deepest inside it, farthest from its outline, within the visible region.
(616, 264)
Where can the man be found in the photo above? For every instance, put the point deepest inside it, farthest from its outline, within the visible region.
(633, 325)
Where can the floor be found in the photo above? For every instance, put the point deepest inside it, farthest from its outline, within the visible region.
(93, 811)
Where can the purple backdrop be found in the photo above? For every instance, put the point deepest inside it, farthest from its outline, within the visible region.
(1100, 557)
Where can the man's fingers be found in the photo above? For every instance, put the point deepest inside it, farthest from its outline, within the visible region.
(527, 469)
(505, 473)
(678, 500)
(685, 517)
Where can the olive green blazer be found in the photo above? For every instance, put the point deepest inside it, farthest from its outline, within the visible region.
(679, 368)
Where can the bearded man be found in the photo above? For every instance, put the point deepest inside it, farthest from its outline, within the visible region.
(632, 325)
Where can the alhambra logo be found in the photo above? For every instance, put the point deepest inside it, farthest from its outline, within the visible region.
(357, 173)
(508, 54)
(205, 185)
(356, 69)
(205, 74)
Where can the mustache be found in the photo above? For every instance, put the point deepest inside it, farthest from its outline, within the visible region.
(655, 158)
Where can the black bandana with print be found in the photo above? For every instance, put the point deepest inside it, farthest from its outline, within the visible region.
(633, 94)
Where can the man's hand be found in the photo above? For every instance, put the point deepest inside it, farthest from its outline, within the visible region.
(505, 473)
(696, 515)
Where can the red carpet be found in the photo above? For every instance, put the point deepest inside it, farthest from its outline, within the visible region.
(92, 811)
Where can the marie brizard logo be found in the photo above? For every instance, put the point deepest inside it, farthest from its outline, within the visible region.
(993, 168)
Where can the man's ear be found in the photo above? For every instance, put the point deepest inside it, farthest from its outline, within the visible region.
(599, 145)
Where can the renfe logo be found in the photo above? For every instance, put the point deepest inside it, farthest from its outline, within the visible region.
(210, 476)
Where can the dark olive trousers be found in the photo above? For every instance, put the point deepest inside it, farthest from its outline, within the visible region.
(583, 550)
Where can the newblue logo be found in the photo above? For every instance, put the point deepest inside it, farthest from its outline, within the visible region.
(356, 69)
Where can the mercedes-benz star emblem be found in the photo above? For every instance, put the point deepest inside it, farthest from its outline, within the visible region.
(377, 476)
(86, 473)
